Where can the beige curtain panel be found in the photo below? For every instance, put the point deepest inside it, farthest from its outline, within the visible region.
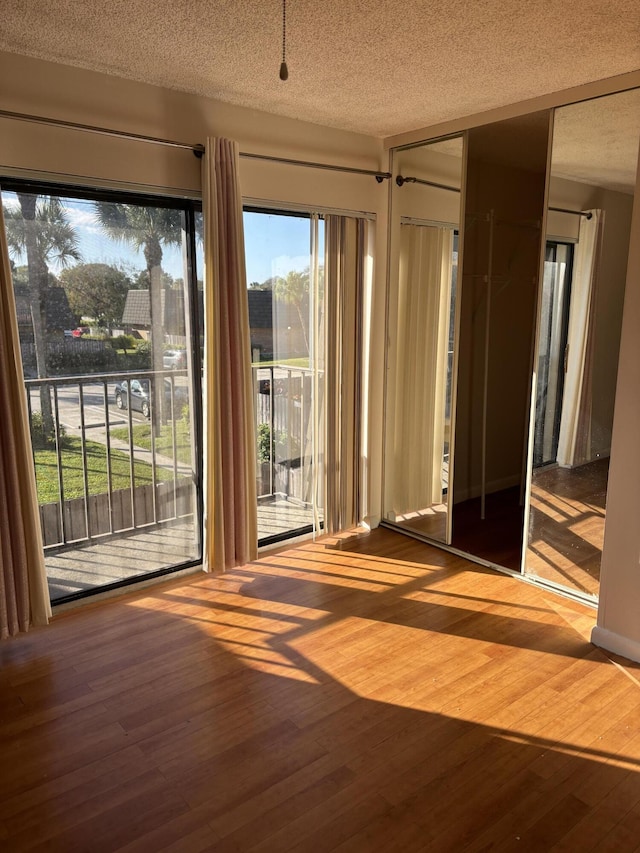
(346, 244)
(424, 296)
(574, 442)
(24, 595)
(230, 511)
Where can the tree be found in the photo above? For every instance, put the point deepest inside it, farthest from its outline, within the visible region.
(98, 291)
(262, 285)
(149, 229)
(141, 281)
(293, 289)
(40, 231)
(20, 276)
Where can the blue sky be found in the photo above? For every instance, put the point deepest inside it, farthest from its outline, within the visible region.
(274, 243)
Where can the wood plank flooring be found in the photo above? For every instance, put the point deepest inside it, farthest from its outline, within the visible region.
(567, 525)
(376, 695)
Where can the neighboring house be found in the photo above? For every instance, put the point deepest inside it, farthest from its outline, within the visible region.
(57, 314)
(137, 312)
(261, 323)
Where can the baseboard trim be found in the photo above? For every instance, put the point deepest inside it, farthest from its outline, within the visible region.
(616, 643)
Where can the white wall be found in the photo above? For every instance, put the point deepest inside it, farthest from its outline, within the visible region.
(618, 627)
(71, 94)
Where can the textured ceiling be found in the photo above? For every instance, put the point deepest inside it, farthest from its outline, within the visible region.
(597, 141)
(380, 68)
(594, 142)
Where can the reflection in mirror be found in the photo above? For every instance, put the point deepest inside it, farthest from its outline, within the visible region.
(425, 218)
(593, 172)
(504, 206)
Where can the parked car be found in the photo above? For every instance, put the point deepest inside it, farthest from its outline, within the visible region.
(174, 359)
(140, 396)
(138, 393)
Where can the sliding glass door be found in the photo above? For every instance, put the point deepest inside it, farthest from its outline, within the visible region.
(285, 275)
(108, 314)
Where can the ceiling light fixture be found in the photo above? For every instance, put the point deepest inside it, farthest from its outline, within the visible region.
(284, 71)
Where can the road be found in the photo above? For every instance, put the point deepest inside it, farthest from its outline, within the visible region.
(94, 410)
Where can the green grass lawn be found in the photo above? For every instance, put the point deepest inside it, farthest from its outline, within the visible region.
(71, 458)
(163, 442)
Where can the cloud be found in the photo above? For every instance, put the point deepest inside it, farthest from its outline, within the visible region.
(282, 264)
(80, 216)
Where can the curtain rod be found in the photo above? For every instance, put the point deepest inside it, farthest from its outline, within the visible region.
(379, 176)
(400, 181)
(584, 213)
(198, 148)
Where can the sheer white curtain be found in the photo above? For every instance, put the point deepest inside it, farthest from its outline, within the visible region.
(574, 443)
(24, 595)
(424, 299)
(230, 518)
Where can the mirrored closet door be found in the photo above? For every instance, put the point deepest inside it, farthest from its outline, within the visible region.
(504, 212)
(592, 179)
(422, 320)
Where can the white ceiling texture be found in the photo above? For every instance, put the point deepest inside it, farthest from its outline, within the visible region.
(379, 68)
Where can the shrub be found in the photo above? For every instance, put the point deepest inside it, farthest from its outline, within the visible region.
(123, 342)
(45, 439)
(264, 443)
(140, 359)
(82, 361)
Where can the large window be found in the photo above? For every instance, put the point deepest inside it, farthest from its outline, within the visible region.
(109, 320)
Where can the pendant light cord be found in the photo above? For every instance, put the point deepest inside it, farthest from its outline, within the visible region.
(284, 71)
(284, 30)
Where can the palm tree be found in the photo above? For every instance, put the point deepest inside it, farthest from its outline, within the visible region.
(294, 290)
(149, 229)
(40, 231)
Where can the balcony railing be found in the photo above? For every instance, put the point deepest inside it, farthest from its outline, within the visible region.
(284, 427)
(114, 456)
(119, 458)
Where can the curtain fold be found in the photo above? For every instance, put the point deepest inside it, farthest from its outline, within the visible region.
(24, 595)
(230, 503)
(574, 442)
(424, 296)
(346, 248)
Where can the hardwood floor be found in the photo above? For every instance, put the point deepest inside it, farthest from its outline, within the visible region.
(567, 525)
(377, 695)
